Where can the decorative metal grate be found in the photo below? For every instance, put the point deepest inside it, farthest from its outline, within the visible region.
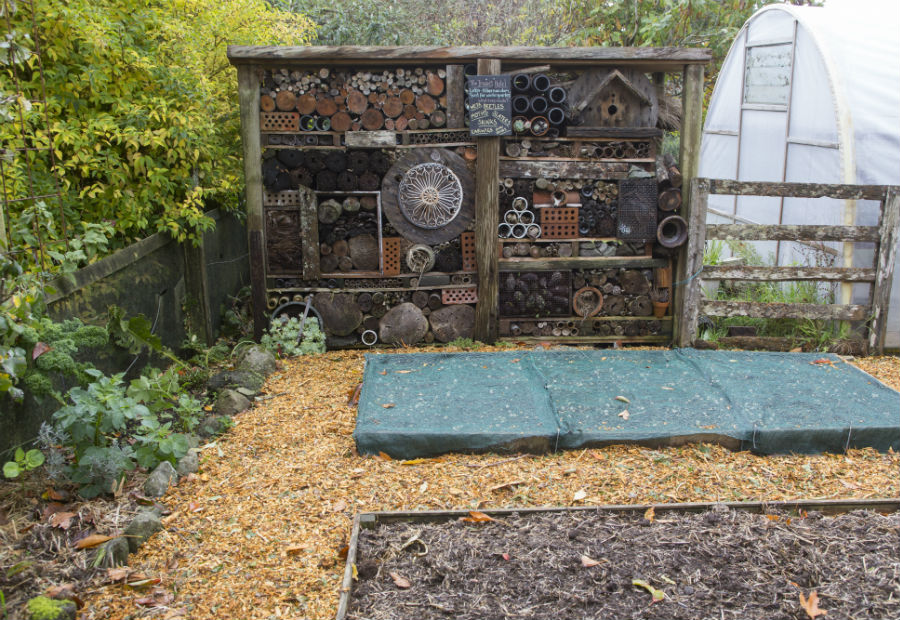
(637, 209)
(535, 293)
(430, 195)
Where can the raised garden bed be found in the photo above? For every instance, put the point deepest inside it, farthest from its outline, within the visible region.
(737, 560)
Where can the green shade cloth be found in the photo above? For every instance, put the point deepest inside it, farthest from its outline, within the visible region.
(431, 403)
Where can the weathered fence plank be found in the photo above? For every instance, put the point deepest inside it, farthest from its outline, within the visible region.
(771, 274)
(796, 190)
(787, 232)
(884, 265)
(836, 312)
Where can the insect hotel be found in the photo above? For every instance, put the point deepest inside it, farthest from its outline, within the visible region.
(408, 195)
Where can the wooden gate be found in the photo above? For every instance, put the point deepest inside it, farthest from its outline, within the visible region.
(886, 235)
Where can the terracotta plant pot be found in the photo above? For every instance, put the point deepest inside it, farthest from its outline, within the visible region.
(659, 308)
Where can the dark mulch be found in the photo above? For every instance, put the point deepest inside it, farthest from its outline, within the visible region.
(719, 564)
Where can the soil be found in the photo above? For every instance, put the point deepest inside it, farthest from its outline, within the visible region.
(723, 563)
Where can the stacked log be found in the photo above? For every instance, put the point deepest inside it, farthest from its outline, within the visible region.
(396, 99)
(626, 292)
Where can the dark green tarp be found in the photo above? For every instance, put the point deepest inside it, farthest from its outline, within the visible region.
(425, 404)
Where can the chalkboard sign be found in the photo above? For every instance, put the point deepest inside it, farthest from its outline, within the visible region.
(490, 110)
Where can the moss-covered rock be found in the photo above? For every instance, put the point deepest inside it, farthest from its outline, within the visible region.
(44, 608)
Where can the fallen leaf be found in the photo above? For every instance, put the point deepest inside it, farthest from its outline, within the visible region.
(477, 517)
(657, 595)
(403, 372)
(516, 360)
(208, 408)
(384, 456)
(650, 514)
(175, 614)
(39, 349)
(355, 572)
(62, 520)
(56, 496)
(624, 414)
(143, 582)
(295, 549)
(589, 562)
(579, 495)
(823, 360)
(666, 387)
(195, 507)
(506, 485)
(811, 605)
(505, 556)
(92, 541)
(169, 518)
(623, 399)
(62, 591)
(400, 581)
(118, 574)
(796, 350)
(383, 372)
(158, 598)
(353, 396)
(340, 506)
(343, 551)
(388, 405)
(423, 487)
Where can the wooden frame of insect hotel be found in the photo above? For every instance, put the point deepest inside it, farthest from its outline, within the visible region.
(423, 194)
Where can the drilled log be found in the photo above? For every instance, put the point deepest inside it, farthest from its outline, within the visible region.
(325, 105)
(364, 252)
(633, 282)
(266, 103)
(372, 119)
(420, 298)
(357, 102)
(341, 121)
(435, 85)
(340, 248)
(426, 104)
(329, 211)
(364, 301)
(328, 263)
(392, 107)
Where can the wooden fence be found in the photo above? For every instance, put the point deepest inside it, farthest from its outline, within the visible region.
(690, 304)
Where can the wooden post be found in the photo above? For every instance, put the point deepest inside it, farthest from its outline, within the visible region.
(687, 308)
(884, 269)
(196, 286)
(248, 95)
(689, 156)
(487, 178)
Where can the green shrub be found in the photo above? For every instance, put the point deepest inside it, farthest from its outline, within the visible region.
(100, 426)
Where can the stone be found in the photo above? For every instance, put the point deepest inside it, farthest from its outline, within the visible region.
(115, 552)
(258, 359)
(157, 484)
(189, 463)
(236, 379)
(214, 425)
(144, 525)
(44, 608)
(230, 402)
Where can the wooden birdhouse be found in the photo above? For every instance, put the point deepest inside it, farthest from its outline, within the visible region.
(614, 98)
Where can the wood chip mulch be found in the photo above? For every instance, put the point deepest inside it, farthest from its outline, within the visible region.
(259, 533)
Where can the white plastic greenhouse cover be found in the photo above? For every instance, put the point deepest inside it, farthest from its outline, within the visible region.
(810, 94)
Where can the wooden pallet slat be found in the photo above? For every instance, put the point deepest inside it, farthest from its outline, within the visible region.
(835, 312)
(788, 232)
